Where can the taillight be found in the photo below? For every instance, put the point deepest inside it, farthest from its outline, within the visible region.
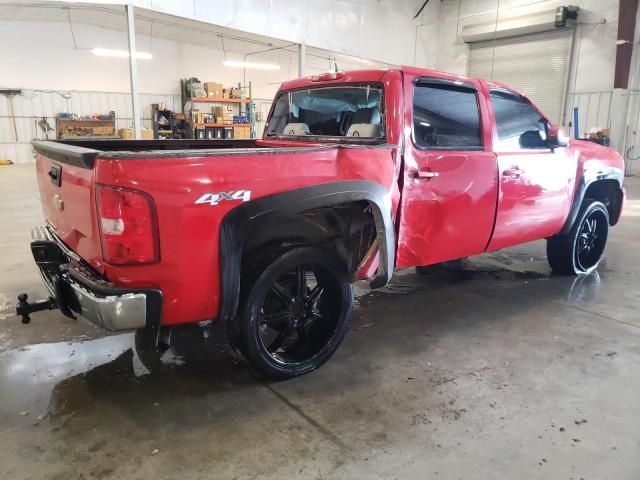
(128, 227)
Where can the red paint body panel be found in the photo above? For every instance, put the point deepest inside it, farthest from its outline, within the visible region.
(442, 218)
(188, 272)
(451, 215)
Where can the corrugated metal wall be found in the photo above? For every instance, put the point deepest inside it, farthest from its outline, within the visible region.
(632, 139)
(594, 110)
(33, 105)
(597, 110)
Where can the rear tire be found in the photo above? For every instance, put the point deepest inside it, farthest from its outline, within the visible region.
(580, 251)
(295, 313)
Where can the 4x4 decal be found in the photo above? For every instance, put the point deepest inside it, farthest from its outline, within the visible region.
(216, 198)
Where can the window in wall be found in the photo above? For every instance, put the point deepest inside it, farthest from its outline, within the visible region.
(446, 117)
(519, 124)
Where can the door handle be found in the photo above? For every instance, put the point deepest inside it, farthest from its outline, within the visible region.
(425, 174)
(513, 172)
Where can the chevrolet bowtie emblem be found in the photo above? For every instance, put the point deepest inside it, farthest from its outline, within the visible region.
(58, 202)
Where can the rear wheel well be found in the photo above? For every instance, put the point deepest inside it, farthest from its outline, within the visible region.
(347, 229)
(610, 194)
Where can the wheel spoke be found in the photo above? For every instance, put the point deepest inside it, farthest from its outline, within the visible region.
(276, 318)
(301, 282)
(314, 296)
(282, 294)
(281, 339)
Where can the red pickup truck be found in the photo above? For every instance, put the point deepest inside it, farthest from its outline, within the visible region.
(357, 174)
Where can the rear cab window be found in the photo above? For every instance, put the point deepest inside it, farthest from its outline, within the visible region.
(347, 111)
(519, 125)
(446, 116)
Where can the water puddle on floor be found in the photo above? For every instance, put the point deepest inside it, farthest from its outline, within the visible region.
(52, 380)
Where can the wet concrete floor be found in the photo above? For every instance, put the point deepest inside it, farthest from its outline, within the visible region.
(489, 367)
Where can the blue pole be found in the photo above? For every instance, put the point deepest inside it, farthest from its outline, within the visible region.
(576, 121)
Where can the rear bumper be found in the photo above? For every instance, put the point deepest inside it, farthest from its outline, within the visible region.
(78, 289)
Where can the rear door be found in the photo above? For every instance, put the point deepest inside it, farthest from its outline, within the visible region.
(450, 176)
(536, 182)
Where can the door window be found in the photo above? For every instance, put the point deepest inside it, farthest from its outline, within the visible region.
(446, 117)
(519, 125)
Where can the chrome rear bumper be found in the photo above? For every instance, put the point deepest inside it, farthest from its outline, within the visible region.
(77, 288)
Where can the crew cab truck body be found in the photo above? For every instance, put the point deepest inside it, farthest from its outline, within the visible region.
(357, 174)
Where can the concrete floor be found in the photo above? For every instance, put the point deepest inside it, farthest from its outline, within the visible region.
(485, 368)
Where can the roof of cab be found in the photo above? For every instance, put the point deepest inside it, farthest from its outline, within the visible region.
(373, 75)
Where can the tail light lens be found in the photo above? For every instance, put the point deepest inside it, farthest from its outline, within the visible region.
(128, 226)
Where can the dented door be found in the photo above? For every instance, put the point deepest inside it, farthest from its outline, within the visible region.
(450, 174)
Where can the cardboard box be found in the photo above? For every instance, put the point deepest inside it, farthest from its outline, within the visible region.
(213, 89)
(103, 131)
(241, 132)
(127, 134)
(217, 111)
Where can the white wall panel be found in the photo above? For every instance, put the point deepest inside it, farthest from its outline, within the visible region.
(33, 105)
(594, 50)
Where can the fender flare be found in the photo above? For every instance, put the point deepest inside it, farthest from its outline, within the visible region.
(236, 223)
(588, 178)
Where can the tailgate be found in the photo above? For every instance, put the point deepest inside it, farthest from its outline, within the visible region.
(65, 181)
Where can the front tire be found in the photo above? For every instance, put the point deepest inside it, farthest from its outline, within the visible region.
(296, 313)
(580, 252)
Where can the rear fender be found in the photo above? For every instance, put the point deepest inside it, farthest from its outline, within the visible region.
(236, 224)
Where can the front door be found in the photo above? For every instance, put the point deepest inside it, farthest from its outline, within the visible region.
(536, 183)
(450, 175)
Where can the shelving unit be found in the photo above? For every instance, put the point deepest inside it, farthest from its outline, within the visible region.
(245, 108)
(169, 128)
(196, 124)
(220, 100)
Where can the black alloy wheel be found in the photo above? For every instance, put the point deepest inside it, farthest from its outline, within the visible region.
(580, 251)
(591, 240)
(296, 313)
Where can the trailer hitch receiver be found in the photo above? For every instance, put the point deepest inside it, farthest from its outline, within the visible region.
(25, 308)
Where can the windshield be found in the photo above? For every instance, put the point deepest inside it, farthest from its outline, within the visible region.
(345, 111)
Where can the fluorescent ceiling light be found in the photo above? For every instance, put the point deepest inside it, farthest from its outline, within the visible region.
(107, 52)
(256, 66)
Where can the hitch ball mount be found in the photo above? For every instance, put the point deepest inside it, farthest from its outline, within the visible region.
(24, 308)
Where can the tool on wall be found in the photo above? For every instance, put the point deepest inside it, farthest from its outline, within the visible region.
(44, 125)
(10, 93)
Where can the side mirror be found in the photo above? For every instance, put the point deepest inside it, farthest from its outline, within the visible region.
(532, 139)
(557, 137)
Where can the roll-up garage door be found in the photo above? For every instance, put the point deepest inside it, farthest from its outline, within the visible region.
(535, 64)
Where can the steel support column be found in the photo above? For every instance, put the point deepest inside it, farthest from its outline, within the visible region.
(133, 72)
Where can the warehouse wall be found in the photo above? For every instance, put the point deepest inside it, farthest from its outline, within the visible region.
(594, 53)
(377, 29)
(439, 45)
(56, 77)
(45, 58)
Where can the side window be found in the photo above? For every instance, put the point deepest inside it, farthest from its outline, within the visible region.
(519, 124)
(446, 117)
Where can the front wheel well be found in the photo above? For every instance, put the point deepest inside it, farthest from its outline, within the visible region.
(610, 194)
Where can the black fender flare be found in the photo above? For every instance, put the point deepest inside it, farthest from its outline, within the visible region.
(588, 178)
(236, 223)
